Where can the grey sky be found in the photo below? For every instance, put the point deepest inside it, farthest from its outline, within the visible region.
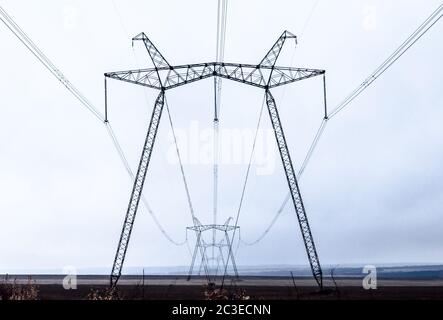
(373, 190)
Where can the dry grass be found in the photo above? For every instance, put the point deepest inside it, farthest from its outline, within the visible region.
(104, 294)
(11, 290)
(211, 293)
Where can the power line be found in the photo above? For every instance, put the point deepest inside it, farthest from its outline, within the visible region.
(182, 170)
(125, 162)
(308, 20)
(32, 47)
(36, 52)
(305, 25)
(405, 46)
(309, 153)
(143, 198)
(240, 206)
(308, 156)
(222, 7)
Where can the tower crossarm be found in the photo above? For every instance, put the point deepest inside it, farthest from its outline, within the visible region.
(147, 77)
(207, 227)
(175, 76)
(282, 75)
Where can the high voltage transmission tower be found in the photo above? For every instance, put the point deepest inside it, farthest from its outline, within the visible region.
(163, 77)
(223, 247)
(261, 76)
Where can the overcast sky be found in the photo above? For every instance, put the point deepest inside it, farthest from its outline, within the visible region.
(373, 190)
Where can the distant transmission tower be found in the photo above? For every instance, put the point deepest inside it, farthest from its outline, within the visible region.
(223, 247)
(265, 75)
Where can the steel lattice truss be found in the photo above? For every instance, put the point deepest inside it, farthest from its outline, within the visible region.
(263, 75)
(202, 246)
(163, 77)
(254, 75)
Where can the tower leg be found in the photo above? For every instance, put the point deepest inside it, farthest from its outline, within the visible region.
(219, 259)
(200, 267)
(204, 263)
(221, 255)
(234, 265)
(194, 256)
(137, 190)
(294, 189)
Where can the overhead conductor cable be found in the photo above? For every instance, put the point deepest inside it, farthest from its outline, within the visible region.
(32, 47)
(405, 46)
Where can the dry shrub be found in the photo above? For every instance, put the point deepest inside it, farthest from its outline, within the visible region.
(5, 291)
(211, 293)
(104, 294)
(14, 291)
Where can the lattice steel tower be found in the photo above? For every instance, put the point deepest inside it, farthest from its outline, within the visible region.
(223, 247)
(265, 75)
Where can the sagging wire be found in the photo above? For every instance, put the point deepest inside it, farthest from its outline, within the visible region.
(406, 45)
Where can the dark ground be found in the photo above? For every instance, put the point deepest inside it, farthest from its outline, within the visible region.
(171, 292)
(281, 288)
